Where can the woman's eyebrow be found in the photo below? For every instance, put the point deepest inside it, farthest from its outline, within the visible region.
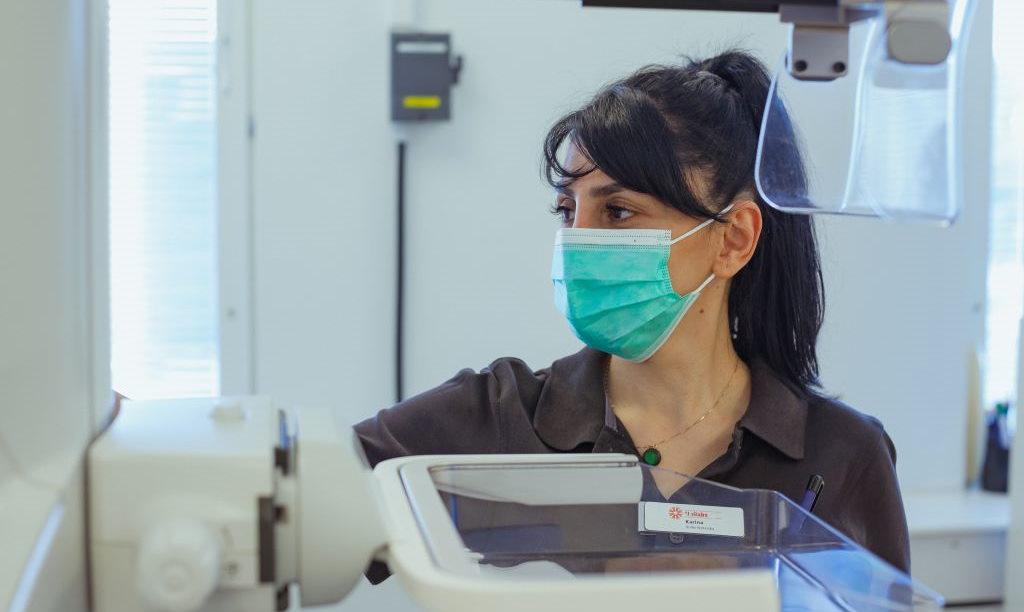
(606, 190)
(595, 192)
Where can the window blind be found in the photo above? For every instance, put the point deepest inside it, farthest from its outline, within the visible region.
(163, 213)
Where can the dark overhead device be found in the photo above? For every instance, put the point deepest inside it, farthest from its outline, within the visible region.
(746, 6)
(917, 31)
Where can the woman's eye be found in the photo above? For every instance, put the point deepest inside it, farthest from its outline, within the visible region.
(618, 213)
(564, 213)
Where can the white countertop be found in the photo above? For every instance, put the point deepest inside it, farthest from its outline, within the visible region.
(934, 512)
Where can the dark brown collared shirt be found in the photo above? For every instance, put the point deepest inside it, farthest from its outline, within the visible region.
(783, 438)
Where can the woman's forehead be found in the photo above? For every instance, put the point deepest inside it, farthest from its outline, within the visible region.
(578, 163)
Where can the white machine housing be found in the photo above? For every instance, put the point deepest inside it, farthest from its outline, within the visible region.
(212, 505)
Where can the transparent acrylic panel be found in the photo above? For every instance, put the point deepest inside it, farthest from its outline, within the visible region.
(909, 160)
(556, 522)
(809, 135)
(882, 141)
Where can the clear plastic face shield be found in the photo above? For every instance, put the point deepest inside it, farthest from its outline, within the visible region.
(880, 137)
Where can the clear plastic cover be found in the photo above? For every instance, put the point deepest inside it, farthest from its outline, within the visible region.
(882, 141)
(560, 522)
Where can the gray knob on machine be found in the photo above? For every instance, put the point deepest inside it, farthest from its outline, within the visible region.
(917, 31)
(178, 566)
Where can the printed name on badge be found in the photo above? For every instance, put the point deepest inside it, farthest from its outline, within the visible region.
(687, 518)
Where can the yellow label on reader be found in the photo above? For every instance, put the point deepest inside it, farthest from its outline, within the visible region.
(421, 101)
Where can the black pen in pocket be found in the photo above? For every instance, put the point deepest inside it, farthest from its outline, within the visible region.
(811, 494)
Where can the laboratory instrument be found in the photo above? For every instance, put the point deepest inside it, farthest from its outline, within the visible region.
(224, 504)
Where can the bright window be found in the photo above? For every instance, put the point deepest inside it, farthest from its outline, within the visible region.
(1006, 270)
(163, 205)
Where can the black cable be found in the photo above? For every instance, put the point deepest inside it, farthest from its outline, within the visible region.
(400, 275)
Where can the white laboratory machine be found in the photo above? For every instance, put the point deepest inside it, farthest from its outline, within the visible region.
(221, 505)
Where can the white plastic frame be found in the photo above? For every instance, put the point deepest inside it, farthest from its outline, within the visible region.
(428, 556)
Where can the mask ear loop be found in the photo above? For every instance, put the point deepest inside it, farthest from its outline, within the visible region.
(710, 278)
(703, 285)
(701, 226)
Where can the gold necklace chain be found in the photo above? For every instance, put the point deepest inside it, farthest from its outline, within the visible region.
(651, 455)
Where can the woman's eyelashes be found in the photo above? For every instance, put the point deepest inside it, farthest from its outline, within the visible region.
(618, 213)
(563, 212)
(565, 209)
(613, 214)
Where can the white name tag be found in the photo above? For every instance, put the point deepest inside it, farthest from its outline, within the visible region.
(687, 518)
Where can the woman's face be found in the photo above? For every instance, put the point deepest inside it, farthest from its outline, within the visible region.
(596, 201)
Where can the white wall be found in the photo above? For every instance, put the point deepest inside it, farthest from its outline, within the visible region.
(322, 203)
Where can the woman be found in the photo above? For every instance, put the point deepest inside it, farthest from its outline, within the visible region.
(701, 336)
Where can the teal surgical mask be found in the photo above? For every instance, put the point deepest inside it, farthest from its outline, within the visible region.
(614, 288)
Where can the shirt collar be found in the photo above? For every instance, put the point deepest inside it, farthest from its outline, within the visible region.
(776, 414)
(571, 410)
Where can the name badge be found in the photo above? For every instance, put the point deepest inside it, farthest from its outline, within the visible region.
(659, 517)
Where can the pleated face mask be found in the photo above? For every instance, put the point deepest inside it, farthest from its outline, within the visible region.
(614, 288)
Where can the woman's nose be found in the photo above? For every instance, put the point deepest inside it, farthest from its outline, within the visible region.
(586, 217)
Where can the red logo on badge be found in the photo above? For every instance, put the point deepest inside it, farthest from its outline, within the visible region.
(675, 513)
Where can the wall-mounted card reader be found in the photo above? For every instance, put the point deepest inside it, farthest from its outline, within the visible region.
(422, 74)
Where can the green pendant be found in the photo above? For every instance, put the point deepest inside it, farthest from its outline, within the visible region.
(651, 456)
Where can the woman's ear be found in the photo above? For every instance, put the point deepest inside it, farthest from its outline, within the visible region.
(740, 233)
